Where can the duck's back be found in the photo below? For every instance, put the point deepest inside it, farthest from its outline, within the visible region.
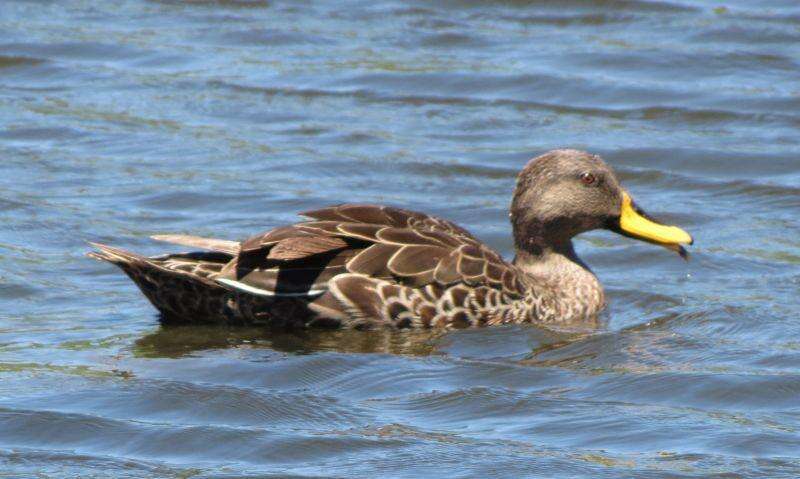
(349, 265)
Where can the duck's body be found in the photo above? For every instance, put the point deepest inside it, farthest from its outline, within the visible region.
(363, 266)
(359, 266)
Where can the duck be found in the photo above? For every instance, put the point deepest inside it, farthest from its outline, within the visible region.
(368, 266)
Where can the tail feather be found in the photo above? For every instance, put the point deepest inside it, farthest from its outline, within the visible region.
(113, 255)
(171, 283)
(183, 287)
(212, 244)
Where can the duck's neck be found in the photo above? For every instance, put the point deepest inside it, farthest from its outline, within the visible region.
(576, 292)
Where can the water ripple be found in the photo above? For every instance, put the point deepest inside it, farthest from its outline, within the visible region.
(226, 117)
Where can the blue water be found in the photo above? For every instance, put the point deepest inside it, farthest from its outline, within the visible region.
(225, 118)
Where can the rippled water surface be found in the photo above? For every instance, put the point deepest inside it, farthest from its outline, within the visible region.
(119, 120)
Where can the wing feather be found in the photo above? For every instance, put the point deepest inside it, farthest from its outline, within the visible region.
(222, 246)
(403, 247)
(303, 246)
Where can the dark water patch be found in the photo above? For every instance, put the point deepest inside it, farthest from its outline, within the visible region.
(36, 462)
(10, 62)
(702, 64)
(274, 38)
(217, 3)
(788, 17)
(15, 291)
(452, 40)
(708, 116)
(74, 50)
(702, 163)
(21, 134)
(183, 199)
(163, 62)
(485, 172)
(784, 101)
(734, 34)
(629, 5)
(428, 21)
(44, 78)
(573, 19)
(7, 204)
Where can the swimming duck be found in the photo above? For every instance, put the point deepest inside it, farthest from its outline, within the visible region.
(366, 266)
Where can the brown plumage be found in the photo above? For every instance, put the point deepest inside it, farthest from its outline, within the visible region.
(365, 266)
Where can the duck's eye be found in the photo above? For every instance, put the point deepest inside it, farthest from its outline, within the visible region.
(588, 179)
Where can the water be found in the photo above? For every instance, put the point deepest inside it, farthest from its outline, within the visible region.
(225, 118)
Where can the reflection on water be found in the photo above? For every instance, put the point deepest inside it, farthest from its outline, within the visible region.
(177, 341)
(172, 341)
(225, 118)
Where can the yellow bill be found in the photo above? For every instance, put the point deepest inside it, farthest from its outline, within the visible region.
(634, 223)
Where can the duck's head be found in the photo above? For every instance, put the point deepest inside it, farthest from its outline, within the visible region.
(563, 193)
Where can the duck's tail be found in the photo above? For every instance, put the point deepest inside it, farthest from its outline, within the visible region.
(181, 286)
